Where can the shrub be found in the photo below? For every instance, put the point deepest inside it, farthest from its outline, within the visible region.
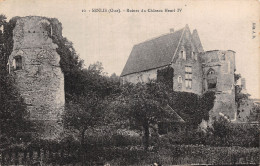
(232, 134)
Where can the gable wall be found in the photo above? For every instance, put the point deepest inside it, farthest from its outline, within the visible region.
(179, 64)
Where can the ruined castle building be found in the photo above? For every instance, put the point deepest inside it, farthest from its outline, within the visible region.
(194, 70)
(34, 63)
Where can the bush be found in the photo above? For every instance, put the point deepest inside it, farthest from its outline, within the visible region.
(223, 134)
(192, 107)
(232, 134)
(117, 140)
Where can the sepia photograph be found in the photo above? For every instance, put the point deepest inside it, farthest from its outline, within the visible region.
(129, 83)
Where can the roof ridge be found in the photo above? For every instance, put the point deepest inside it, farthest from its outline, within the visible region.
(179, 43)
(159, 36)
(153, 53)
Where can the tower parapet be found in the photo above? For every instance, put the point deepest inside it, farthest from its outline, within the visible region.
(34, 63)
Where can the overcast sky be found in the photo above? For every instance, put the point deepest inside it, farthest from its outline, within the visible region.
(109, 37)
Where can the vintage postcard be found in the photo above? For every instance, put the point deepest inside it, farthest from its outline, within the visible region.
(130, 82)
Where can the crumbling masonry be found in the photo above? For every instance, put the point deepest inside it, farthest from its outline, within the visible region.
(193, 69)
(35, 65)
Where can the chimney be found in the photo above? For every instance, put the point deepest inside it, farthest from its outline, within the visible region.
(171, 30)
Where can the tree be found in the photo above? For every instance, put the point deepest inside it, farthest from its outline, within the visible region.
(13, 114)
(71, 65)
(192, 107)
(239, 96)
(83, 113)
(142, 105)
(86, 104)
(86, 112)
(206, 103)
(3, 57)
(226, 133)
(2, 19)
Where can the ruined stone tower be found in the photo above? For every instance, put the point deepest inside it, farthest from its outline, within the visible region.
(35, 65)
(218, 75)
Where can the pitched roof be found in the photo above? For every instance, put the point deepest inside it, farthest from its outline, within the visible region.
(174, 116)
(153, 53)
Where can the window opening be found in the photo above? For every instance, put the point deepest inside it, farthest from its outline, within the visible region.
(17, 63)
(188, 76)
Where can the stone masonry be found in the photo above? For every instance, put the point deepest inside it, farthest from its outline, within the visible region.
(34, 63)
(194, 70)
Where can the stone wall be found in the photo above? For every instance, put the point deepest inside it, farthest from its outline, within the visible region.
(210, 71)
(144, 76)
(40, 79)
(222, 63)
(179, 64)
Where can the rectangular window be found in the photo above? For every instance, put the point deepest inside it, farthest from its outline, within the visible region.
(17, 62)
(188, 83)
(188, 76)
(194, 55)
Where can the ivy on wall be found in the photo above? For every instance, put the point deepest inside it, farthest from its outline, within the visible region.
(165, 76)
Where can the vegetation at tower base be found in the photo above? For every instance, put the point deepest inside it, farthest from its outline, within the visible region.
(238, 95)
(6, 40)
(13, 114)
(193, 108)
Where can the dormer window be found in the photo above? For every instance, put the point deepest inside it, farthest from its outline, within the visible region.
(183, 54)
(17, 62)
(194, 55)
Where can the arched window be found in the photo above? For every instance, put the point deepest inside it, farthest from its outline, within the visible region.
(211, 79)
(17, 62)
(211, 72)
